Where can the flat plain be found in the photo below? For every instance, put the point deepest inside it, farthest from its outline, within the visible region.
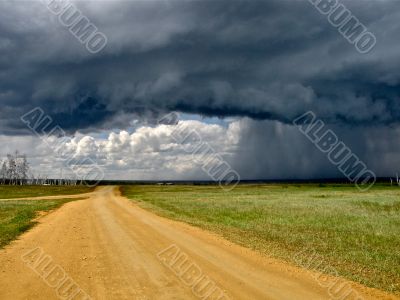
(254, 242)
(17, 216)
(353, 234)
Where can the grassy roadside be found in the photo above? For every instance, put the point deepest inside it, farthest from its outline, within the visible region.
(17, 216)
(356, 233)
(9, 192)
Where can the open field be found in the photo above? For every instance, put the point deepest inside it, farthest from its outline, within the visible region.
(17, 216)
(23, 191)
(354, 233)
(111, 248)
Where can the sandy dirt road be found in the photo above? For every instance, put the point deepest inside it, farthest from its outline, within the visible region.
(74, 196)
(106, 247)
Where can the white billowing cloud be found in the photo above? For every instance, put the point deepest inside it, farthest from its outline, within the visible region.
(254, 149)
(145, 154)
(153, 152)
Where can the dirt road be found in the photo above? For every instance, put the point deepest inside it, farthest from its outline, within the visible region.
(109, 248)
(74, 196)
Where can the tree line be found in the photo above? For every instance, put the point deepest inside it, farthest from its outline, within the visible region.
(15, 170)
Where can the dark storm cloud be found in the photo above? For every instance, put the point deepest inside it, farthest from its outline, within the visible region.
(272, 150)
(262, 59)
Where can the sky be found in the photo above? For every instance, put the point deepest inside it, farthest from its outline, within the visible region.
(238, 72)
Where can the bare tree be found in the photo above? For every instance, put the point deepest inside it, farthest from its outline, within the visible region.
(23, 168)
(3, 172)
(14, 170)
(11, 169)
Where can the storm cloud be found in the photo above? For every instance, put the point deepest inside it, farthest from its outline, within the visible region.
(266, 60)
(248, 67)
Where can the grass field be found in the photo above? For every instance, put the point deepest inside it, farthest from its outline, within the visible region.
(9, 192)
(357, 234)
(17, 216)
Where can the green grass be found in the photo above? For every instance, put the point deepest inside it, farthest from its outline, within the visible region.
(356, 233)
(13, 191)
(17, 216)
